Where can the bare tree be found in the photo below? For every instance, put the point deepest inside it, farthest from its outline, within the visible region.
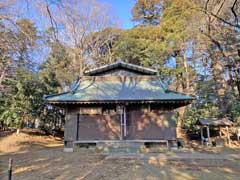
(226, 11)
(10, 41)
(75, 22)
(7, 38)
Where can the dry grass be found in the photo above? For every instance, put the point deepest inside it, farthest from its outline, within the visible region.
(42, 157)
(12, 142)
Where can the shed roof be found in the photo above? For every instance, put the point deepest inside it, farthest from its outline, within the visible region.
(121, 64)
(214, 122)
(119, 88)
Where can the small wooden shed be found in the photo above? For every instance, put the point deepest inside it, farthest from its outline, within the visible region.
(221, 124)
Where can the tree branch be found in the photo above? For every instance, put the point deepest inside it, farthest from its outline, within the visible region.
(233, 11)
(52, 21)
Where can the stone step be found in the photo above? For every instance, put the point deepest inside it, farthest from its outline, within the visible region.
(115, 149)
(120, 148)
(122, 144)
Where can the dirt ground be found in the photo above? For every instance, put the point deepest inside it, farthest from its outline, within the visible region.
(41, 157)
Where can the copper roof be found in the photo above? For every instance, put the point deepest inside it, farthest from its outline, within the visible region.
(119, 88)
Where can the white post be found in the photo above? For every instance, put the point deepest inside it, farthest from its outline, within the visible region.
(121, 124)
(125, 121)
(220, 131)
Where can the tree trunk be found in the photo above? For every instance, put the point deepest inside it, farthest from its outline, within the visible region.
(220, 86)
(237, 82)
(181, 87)
(187, 89)
(179, 76)
(20, 126)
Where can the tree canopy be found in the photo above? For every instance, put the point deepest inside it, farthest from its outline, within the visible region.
(147, 12)
(193, 43)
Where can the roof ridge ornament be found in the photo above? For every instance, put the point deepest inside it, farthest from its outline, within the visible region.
(164, 86)
(74, 86)
(119, 60)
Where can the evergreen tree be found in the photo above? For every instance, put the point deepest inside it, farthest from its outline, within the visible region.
(147, 12)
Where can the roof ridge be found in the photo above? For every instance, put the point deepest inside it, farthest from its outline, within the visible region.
(135, 65)
(163, 85)
(120, 63)
(169, 90)
(75, 86)
(52, 95)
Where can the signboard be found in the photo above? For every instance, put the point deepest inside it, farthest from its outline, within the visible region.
(90, 111)
(119, 109)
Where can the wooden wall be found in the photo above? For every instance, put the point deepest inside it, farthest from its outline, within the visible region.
(91, 127)
(99, 127)
(153, 125)
(142, 124)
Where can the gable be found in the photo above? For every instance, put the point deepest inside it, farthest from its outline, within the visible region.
(119, 71)
(120, 68)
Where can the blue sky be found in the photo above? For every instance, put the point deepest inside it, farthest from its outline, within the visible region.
(122, 9)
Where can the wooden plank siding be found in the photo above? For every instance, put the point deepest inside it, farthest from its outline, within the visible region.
(154, 125)
(141, 125)
(91, 127)
(99, 127)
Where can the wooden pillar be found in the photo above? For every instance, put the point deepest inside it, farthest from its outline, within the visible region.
(238, 134)
(149, 108)
(201, 129)
(220, 133)
(122, 112)
(228, 137)
(124, 121)
(208, 134)
(78, 119)
(121, 124)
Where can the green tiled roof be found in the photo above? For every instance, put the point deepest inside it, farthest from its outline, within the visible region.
(119, 88)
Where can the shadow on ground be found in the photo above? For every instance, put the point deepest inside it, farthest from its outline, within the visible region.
(53, 163)
(42, 157)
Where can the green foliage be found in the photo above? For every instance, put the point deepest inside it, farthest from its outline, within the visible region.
(147, 12)
(235, 111)
(22, 91)
(26, 42)
(176, 22)
(209, 104)
(207, 110)
(22, 100)
(141, 45)
(57, 72)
